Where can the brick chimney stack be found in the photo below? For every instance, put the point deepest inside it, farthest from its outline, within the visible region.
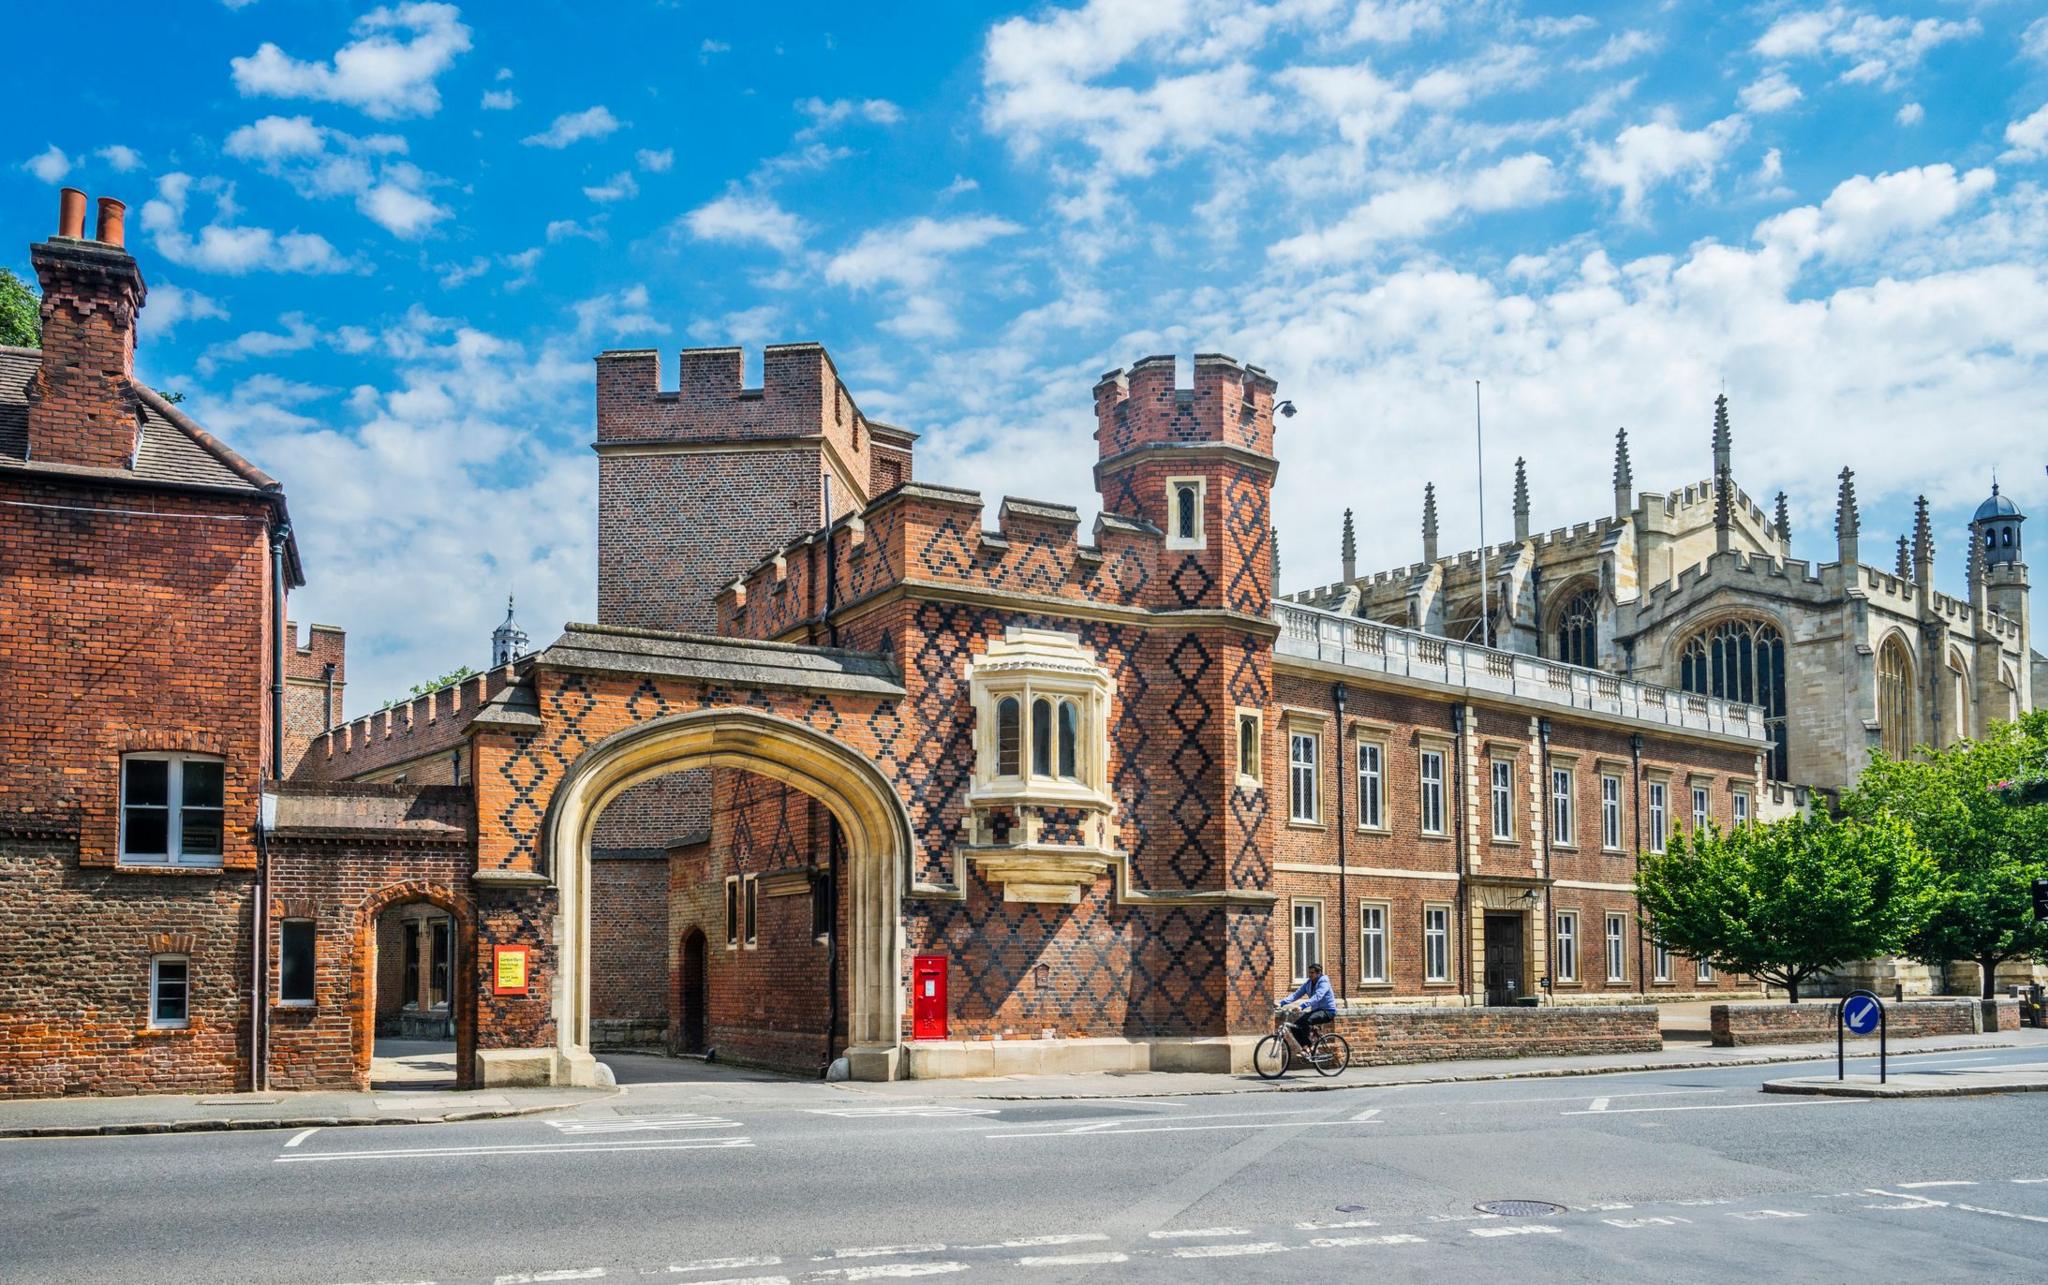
(82, 407)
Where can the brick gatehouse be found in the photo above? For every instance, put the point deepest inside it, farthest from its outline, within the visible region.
(842, 771)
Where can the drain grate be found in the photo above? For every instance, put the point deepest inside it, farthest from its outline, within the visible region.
(1519, 1208)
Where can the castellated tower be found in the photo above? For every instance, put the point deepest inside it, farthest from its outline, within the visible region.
(1198, 464)
(697, 485)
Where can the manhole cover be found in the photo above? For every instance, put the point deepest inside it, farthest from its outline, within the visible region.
(1519, 1208)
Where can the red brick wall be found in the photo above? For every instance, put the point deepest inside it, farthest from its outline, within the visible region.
(629, 932)
(1737, 1025)
(311, 703)
(1392, 1035)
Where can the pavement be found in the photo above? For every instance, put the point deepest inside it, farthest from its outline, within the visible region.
(408, 1091)
(695, 1174)
(1939, 1082)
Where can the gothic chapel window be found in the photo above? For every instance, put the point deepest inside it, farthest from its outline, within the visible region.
(1741, 660)
(1578, 629)
(1894, 698)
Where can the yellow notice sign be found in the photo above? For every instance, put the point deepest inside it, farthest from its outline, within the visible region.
(509, 970)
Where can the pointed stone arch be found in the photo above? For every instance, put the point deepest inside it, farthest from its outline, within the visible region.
(870, 813)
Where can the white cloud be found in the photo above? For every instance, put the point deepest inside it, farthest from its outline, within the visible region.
(574, 127)
(912, 254)
(1877, 50)
(170, 306)
(619, 315)
(2034, 40)
(50, 165)
(619, 187)
(742, 218)
(387, 71)
(1863, 214)
(499, 100)
(568, 229)
(2028, 137)
(1771, 92)
(655, 162)
(1644, 157)
(230, 248)
(121, 158)
(824, 115)
(710, 47)
(320, 162)
(1622, 47)
(747, 326)
(1418, 207)
(1394, 21)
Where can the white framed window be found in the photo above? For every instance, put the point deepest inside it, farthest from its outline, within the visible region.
(1185, 500)
(1304, 756)
(170, 991)
(1372, 942)
(751, 896)
(172, 809)
(1663, 965)
(1308, 937)
(1563, 812)
(295, 962)
(732, 912)
(1567, 962)
(1250, 747)
(1660, 814)
(1432, 784)
(1705, 973)
(1372, 785)
(1702, 811)
(1610, 811)
(1436, 943)
(1503, 799)
(1741, 805)
(1041, 731)
(1617, 948)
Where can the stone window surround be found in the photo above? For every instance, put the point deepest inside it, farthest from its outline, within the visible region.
(1618, 771)
(1449, 914)
(1367, 732)
(1498, 754)
(1256, 778)
(1298, 967)
(1445, 747)
(1568, 837)
(1561, 957)
(1315, 724)
(1385, 981)
(1608, 938)
(1655, 779)
(1028, 664)
(1200, 539)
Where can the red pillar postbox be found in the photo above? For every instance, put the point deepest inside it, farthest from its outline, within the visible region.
(928, 997)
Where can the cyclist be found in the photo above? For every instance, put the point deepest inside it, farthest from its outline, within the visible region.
(1319, 1006)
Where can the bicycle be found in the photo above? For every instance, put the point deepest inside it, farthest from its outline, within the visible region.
(1326, 1051)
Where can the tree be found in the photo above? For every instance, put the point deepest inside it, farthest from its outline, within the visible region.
(1987, 852)
(454, 675)
(21, 313)
(1785, 900)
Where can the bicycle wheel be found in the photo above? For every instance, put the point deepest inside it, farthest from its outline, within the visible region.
(1269, 1058)
(1330, 1055)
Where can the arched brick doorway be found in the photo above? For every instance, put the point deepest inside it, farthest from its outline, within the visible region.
(871, 817)
(693, 995)
(462, 996)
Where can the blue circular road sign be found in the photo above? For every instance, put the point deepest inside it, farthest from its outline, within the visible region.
(1861, 1013)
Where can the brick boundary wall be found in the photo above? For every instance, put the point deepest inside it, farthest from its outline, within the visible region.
(2000, 1014)
(1392, 1035)
(1739, 1025)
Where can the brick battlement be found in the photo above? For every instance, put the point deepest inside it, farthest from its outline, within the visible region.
(1230, 403)
(801, 395)
(438, 720)
(325, 645)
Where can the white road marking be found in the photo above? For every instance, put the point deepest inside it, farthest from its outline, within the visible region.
(1577, 1097)
(302, 1135)
(1462, 1218)
(1356, 1222)
(1073, 1260)
(1103, 1129)
(643, 1126)
(930, 1111)
(878, 1251)
(885, 1271)
(1695, 1204)
(1199, 1231)
(534, 1149)
(1940, 1182)
(1612, 1205)
(1599, 1104)
(1957, 1204)
(1653, 1220)
(1726, 1106)
(1757, 1215)
(1137, 1119)
(1230, 1251)
(2030, 1180)
(1146, 1102)
(1037, 1242)
(723, 1264)
(564, 1274)
(1353, 1242)
(1515, 1229)
(746, 1280)
(1365, 1117)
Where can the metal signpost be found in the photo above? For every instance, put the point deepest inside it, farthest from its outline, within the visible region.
(1859, 1014)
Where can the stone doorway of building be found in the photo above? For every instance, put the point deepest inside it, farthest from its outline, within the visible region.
(691, 993)
(1504, 940)
(414, 1027)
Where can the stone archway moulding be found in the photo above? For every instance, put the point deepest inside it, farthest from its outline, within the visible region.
(871, 816)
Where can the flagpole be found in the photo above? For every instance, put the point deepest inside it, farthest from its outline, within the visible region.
(1485, 603)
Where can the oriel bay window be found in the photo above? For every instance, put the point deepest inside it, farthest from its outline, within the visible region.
(171, 809)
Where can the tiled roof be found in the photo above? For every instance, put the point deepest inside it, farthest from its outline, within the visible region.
(174, 451)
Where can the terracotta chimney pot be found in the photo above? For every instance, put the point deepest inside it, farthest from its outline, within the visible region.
(113, 229)
(71, 213)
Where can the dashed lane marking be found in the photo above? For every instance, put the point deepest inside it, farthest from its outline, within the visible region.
(1724, 1106)
(1230, 1251)
(1366, 1116)
(1653, 1220)
(563, 1274)
(746, 1280)
(723, 1264)
(1759, 1215)
(1042, 1242)
(1599, 1104)
(1355, 1222)
(516, 1149)
(878, 1251)
(1104, 1129)
(1515, 1229)
(931, 1112)
(1102, 1258)
(1937, 1182)
(1138, 1120)
(1199, 1231)
(885, 1271)
(1932, 1203)
(1356, 1242)
(301, 1136)
(641, 1125)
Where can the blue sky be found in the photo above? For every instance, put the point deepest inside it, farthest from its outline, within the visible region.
(383, 244)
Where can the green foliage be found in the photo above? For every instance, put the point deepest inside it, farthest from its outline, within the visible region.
(1785, 900)
(1987, 852)
(21, 313)
(454, 675)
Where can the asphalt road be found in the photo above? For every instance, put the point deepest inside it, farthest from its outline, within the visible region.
(1670, 1176)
